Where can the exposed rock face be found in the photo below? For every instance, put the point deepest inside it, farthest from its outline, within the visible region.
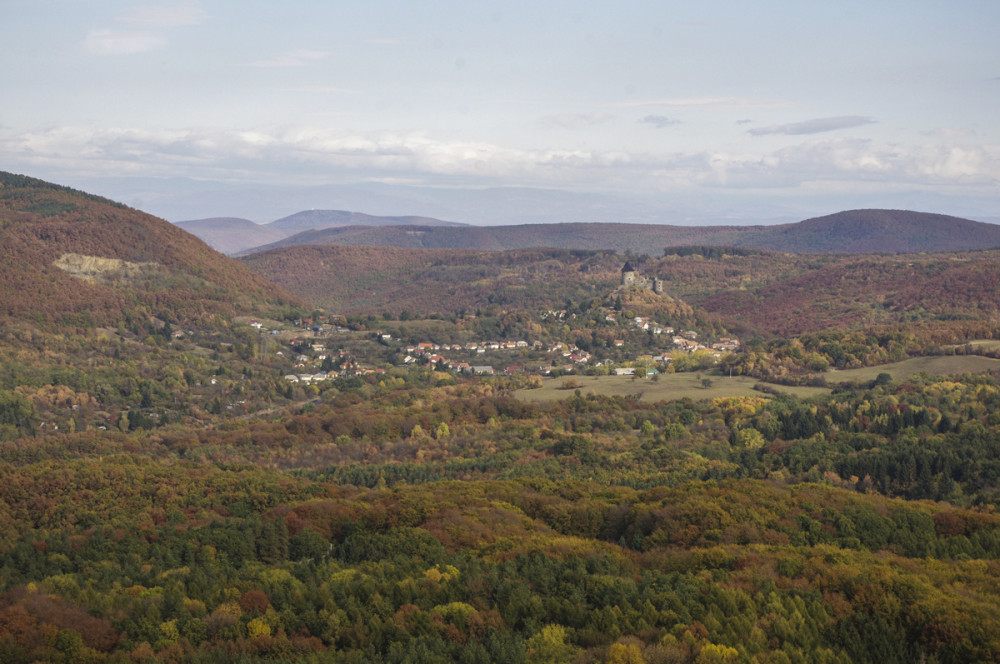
(96, 269)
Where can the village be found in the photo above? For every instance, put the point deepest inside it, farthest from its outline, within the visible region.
(622, 356)
(511, 356)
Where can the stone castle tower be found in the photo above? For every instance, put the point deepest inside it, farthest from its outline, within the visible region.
(632, 278)
(629, 275)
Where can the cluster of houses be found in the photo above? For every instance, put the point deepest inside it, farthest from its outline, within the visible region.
(320, 376)
(432, 353)
(572, 357)
(348, 367)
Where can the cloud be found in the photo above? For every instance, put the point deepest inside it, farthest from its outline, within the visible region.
(299, 58)
(151, 20)
(816, 126)
(165, 15)
(326, 89)
(111, 42)
(659, 121)
(576, 120)
(706, 103)
(300, 154)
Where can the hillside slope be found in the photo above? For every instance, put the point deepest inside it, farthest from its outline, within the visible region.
(72, 258)
(365, 279)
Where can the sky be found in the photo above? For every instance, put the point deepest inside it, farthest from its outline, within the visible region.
(710, 110)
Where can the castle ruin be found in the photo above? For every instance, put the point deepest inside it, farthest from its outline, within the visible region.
(632, 279)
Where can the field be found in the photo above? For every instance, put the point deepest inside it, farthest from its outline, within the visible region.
(933, 366)
(668, 387)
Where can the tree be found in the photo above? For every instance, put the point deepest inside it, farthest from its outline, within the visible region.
(549, 646)
(624, 653)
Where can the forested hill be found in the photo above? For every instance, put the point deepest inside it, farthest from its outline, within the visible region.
(855, 231)
(73, 258)
(880, 231)
(365, 280)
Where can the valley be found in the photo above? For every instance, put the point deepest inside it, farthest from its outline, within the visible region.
(346, 454)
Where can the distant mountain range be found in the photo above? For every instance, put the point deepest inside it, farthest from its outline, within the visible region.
(854, 231)
(232, 234)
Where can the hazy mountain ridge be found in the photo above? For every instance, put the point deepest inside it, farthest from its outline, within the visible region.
(234, 234)
(597, 236)
(231, 234)
(853, 231)
(316, 219)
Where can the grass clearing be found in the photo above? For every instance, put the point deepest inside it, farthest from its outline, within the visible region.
(668, 387)
(985, 345)
(946, 365)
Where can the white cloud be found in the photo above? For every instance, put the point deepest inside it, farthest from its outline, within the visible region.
(576, 120)
(301, 154)
(112, 42)
(331, 89)
(816, 126)
(659, 121)
(151, 21)
(165, 15)
(706, 103)
(299, 58)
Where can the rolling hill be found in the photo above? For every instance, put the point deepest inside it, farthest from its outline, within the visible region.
(72, 258)
(880, 231)
(617, 237)
(855, 231)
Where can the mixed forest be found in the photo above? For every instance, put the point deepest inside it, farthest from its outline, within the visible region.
(168, 495)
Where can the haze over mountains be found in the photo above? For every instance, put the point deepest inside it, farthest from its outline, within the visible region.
(854, 231)
(233, 234)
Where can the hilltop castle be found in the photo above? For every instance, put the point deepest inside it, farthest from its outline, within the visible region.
(632, 278)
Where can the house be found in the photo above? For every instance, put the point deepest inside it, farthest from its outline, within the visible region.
(625, 371)
(483, 370)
